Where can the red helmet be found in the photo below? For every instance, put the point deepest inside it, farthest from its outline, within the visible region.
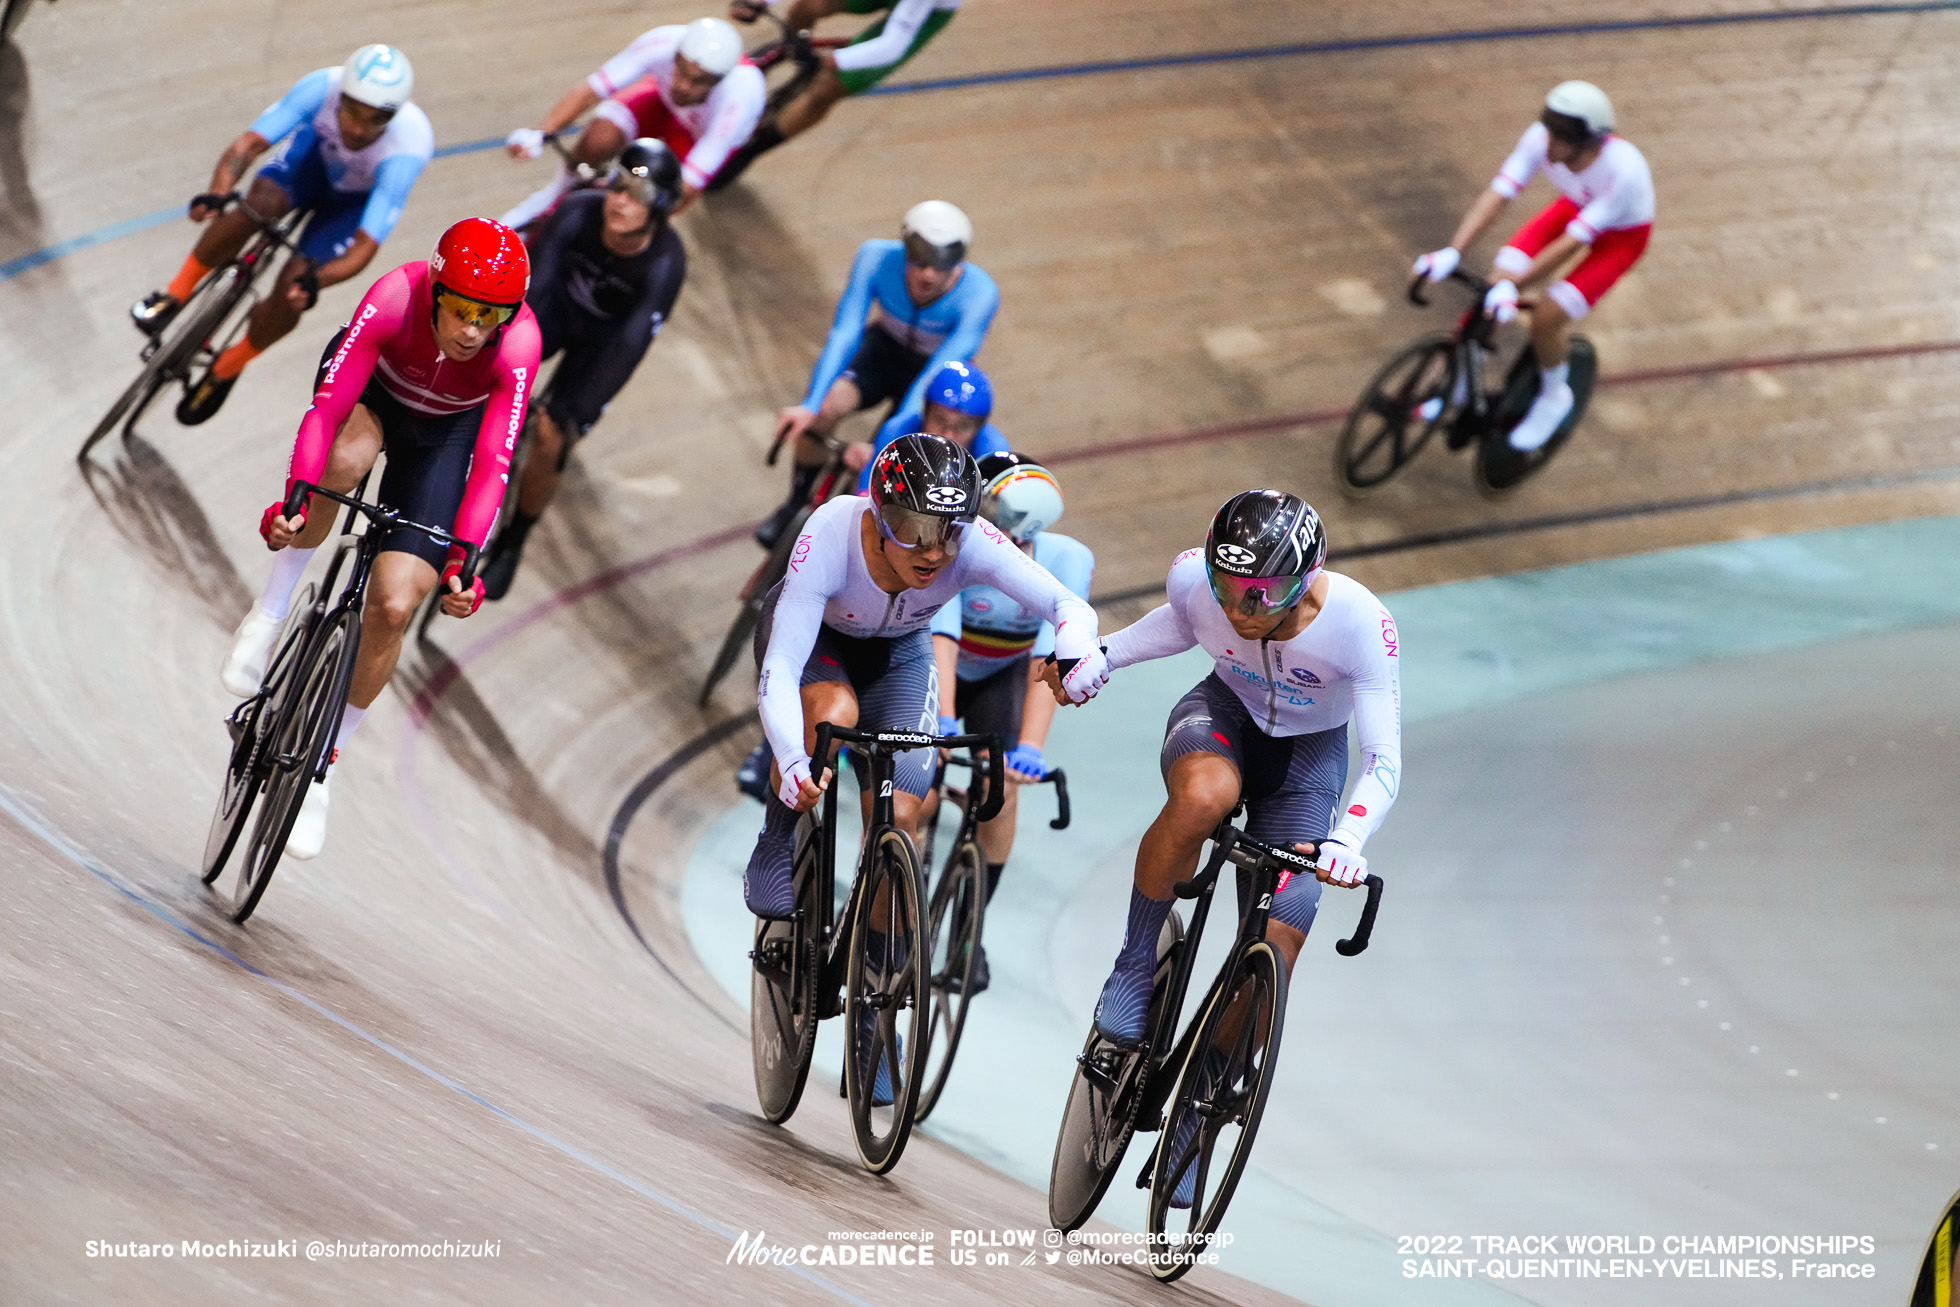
(483, 260)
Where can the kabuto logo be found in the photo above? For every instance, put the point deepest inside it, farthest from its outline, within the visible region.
(946, 496)
(1235, 557)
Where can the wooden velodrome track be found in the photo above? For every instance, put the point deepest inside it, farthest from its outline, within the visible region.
(455, 1024)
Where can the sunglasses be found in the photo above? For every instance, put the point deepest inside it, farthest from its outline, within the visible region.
(922, 253)
(474, 313)
(1258, 596)
(910, 530)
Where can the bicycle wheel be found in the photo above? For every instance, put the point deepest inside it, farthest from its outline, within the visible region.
(773, 569)
(783, 999)
(297, 747)
(1215, 1109)
(243, 775)
(958, 909)
(1399, 409)
(1500, 468)
(175, 348)
(1102, 1107)
(885, 1007)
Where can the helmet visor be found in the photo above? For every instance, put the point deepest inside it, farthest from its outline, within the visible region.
(923, 253)
(475, 313)
(1257, 596)
(913, 530)
(1571, 130)
(638, 185)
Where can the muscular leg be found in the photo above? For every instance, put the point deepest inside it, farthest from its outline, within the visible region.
(227, 233)
(599, 142)
(809, 108)
(1204, 788)
(839, 402)
(541, 466)
(396, 589)
(997, 836)
(276, 314)
(1551, 330)
(802, 15)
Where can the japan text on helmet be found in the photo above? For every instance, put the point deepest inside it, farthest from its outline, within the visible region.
(711, 45)
(1018, 495)
(482, 260)
(1264, 549)
(925, 489)
(378, 76)
(936, 234)
(961, 388)
(1577, 112)
(648, 171)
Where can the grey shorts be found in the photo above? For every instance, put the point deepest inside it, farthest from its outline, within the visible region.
(1290, 783)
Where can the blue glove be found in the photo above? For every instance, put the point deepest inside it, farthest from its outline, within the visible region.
(949, 725)
(1026, 760)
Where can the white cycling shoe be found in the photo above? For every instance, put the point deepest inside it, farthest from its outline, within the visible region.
(310, 828)
(1541, 421)
(251, 649)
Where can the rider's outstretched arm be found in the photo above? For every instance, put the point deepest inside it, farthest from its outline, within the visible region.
(496, 438)
(1377, 681)
(889, 46)
(991, 557)
(847, 327)
(793, 634)
(379, 315)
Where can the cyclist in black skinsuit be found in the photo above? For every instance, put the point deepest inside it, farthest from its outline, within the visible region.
(606, 269)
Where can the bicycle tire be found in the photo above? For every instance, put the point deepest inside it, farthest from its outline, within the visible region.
(891, 984)
(243, 776)
(1221, 1095)
(1500, 469)
(1099, 1120)
(959, 910)
(299, 744)
(1367, 454)
(176, 347)
(774, 568)
(784, 1006)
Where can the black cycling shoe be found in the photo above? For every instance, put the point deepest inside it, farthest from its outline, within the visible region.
(771, 528)
(981, 976)
(752, 777)
(763, 139)
(500, 565)
(153, 312)
(204, 399)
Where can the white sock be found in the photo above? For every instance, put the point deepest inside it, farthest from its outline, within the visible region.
(350, 721)
(288, 565)
(539, 200)
(1553, 378)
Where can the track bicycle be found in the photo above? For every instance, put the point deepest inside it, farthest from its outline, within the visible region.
(282, 738)
(866, 963)
(775, 566)
(1202, 1091)
(789, 61)
(955, 918)
(207, 324)
(1437, 383)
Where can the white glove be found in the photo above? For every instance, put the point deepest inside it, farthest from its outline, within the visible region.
(1501, 301)
(794, 776)
(1439, 266)
(528, 139)
(1343, 865)
(1090, 674)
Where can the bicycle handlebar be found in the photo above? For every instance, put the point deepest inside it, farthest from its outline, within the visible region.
(1347, 948)
(1055, 774)
(1230, 844)
(382, 517)
(1478, 286)
(901, 741)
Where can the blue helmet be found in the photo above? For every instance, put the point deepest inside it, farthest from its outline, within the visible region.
(962, 388)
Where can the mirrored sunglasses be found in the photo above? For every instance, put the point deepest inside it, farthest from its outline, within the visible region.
(474, 312)
(922, 253)
(1257, 596)
(910, 530)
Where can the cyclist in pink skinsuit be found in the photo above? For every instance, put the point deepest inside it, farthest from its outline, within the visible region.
(435, 369)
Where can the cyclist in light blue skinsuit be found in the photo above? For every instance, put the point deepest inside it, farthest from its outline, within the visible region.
(987, 647)
(931, 307)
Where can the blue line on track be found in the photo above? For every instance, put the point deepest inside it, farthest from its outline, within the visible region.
(59, 843)
(1359, 44)
(115, 231)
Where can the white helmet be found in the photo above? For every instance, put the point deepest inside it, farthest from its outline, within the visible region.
(378, 76)
(1018, 495)
(712, 46)
(1584, 101)
(936, 234)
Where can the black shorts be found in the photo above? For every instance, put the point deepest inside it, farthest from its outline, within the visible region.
(1290, 783)
(587, 376)
(428, 464)
(882, 368)
(995, 702)
(895, 679)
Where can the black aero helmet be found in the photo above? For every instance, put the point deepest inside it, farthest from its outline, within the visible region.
(924, 489)
(1263, 550)
(648, 171)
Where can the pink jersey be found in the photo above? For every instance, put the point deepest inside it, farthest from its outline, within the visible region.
(392, 340)
(720, 124)
(1614, 193)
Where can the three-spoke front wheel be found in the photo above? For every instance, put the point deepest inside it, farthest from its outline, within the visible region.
(1399, 410)
(886, 1003)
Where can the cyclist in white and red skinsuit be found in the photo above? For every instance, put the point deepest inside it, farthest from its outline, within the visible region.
(434, 368)
(1605, 207)
(690, 86)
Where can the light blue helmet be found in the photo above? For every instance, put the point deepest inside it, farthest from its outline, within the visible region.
(961, 388)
